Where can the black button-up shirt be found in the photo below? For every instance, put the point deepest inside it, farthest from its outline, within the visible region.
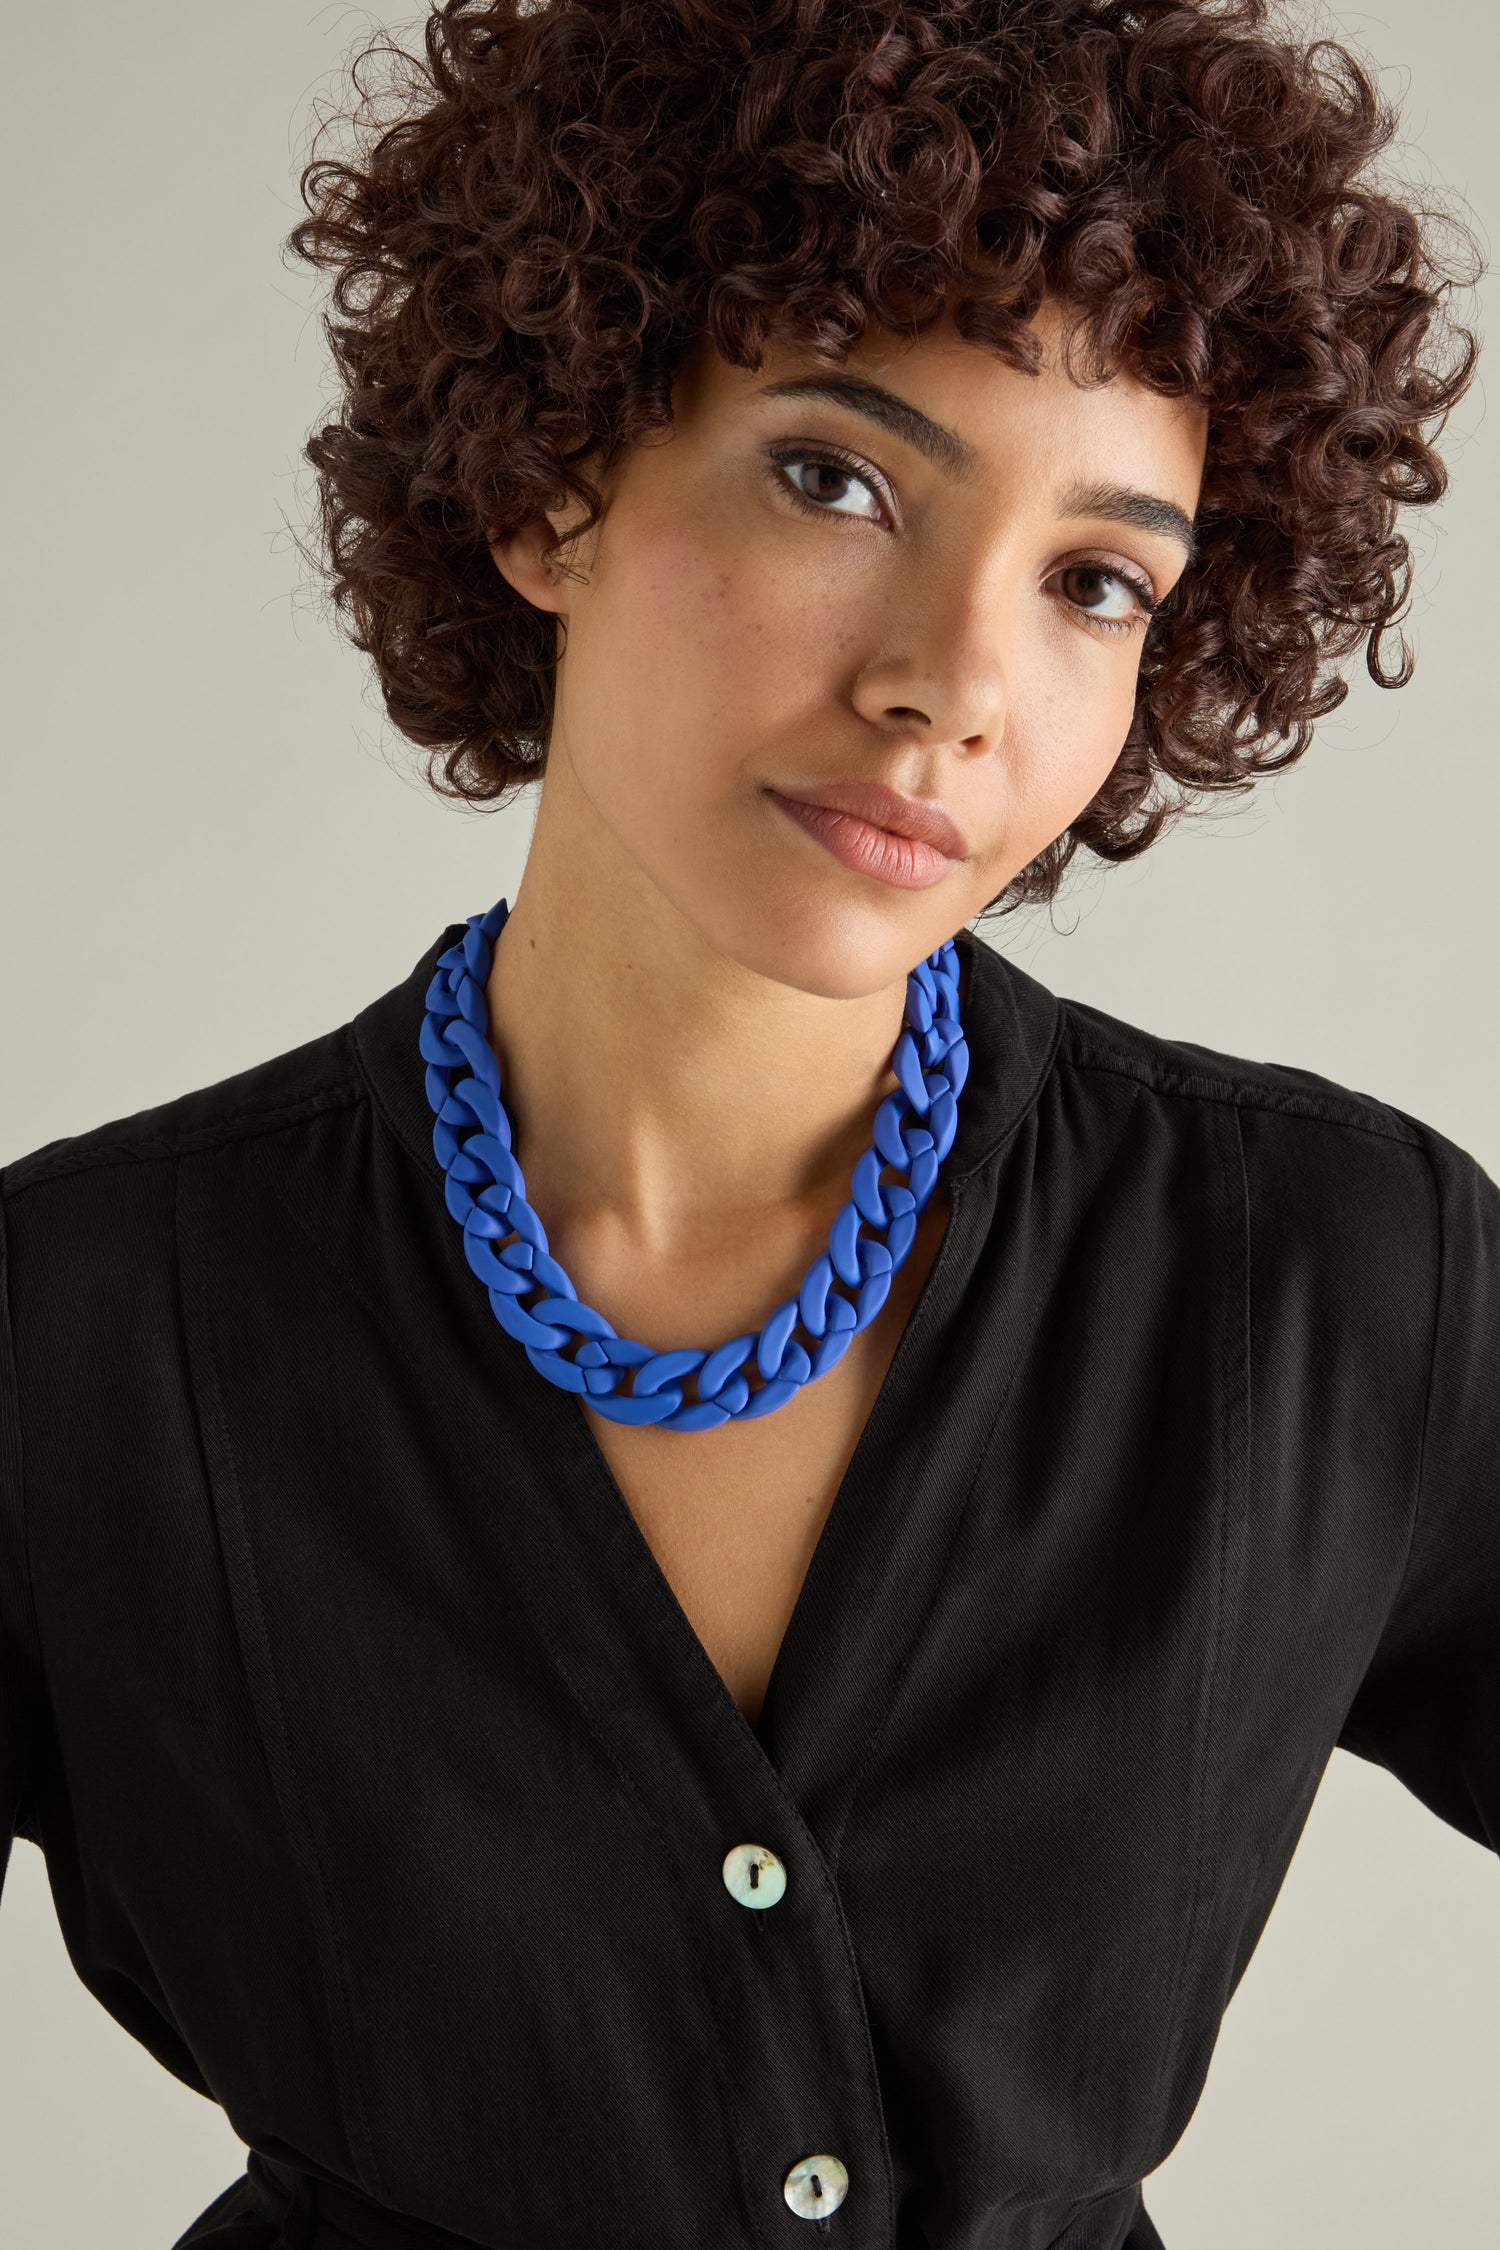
(386, 1791)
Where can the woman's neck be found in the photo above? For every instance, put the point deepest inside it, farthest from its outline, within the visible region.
(660, 1089)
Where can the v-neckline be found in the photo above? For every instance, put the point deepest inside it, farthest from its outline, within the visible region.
(582, 1564)
(803, 1623)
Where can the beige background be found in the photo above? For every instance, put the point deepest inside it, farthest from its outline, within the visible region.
(212, 850)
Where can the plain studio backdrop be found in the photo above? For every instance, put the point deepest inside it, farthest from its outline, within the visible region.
(214, 849)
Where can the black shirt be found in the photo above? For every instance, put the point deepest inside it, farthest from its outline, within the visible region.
(386, 1790)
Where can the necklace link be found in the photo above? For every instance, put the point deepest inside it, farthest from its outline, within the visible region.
(505, 1242)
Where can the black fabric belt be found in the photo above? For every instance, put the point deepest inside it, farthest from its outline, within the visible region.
(315, 2214)
(279, 2208)
(276, 2207)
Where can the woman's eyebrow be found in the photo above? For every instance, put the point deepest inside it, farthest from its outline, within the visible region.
(1121, 503)
(951, 453)
(1118, 503)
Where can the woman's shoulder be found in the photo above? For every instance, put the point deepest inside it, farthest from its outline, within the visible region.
(318, 1074)
(93, 1344)
(1301, 1140)
(1085, 1039)
(338, 1070)
(89, 1222)
(1183, 1069)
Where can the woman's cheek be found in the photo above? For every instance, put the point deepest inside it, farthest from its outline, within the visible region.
(1062, 736)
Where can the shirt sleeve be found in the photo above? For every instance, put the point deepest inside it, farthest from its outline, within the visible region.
(18, 1667)
(1428, 1707)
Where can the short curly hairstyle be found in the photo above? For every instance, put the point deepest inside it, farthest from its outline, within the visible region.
(568, 194)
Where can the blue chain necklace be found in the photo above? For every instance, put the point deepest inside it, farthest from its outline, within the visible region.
(487, 1196)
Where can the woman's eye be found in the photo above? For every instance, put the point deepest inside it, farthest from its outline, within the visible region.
(1109, 597)
(828, 486)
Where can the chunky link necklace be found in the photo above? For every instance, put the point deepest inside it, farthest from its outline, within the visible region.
(486, 1194)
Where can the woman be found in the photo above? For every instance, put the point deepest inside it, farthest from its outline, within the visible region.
(697, 1575)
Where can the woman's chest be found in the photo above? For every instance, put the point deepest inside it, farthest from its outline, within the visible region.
(734, 1515)
(1084, 1608)
(734, 1526)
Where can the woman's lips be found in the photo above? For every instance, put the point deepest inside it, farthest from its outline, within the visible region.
(869, 850)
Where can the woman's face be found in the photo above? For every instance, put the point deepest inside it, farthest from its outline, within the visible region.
(925, 570)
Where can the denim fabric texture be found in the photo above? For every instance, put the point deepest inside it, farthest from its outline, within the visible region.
(384, 1786)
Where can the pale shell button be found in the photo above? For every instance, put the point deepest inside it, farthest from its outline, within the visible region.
(816, 2186)
(754, 1875)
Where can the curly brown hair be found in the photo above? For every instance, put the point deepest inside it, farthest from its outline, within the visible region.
(569, 193)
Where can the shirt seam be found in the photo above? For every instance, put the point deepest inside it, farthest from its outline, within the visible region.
(882, 1720)
(1235, 1408)
(208, 1400)
(1439, 1291)
(1206, 1088)
(192, 1140)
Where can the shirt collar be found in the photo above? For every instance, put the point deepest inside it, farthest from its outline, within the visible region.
(1012, 1025)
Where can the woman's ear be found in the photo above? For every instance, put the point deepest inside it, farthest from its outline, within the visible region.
(518, 558)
